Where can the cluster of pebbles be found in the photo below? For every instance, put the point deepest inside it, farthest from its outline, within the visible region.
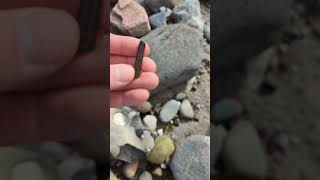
(140, 136)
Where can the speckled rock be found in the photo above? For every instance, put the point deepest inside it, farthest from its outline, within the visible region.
(180, 65)
(192, 158)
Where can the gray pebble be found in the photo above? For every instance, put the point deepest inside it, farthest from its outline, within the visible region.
(186, 109)
(169, 110)
(158, 20)
(180, 96)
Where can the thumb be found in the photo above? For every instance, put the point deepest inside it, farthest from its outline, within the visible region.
(35, 43)
(120, 76)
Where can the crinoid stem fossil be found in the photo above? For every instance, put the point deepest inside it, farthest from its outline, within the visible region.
(139, 58)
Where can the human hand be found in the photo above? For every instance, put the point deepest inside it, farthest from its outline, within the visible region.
(47, 90)
(125, 90)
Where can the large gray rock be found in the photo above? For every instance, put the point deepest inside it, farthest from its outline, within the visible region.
(192, 159)
(243, 28)
(177, 51)
(243, 154)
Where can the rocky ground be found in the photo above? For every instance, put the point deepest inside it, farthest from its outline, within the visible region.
(167, 137)
(266, 109)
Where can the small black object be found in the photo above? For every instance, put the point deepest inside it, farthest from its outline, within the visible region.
(89, 21)
(139, 58)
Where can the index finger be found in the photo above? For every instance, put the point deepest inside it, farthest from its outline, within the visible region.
(125, 46)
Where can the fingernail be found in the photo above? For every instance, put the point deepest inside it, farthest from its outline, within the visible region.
(124, 73)
(45, 37)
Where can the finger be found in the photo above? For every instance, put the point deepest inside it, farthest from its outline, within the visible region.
(148, 65)
(60, 115)
(120, 76)
(35, 43)
(128, 98)
(147, 80)
(125, 45)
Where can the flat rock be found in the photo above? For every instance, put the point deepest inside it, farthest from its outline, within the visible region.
(158, 19)
(177, 51)
(192, 158)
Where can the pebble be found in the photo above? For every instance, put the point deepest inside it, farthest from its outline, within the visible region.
(136, 122)
(147, 140)
(226, 109)
(163, 149)
(241, 145)
(186, 109)
(120, 119)
(145, 176)
(129, 170)
(181, 96)
(157, 171)
(176, 121)
(189, 12)
(155, 5)
(33, 170)
(160, 132)
(130, 18)
(192, 158)
(169, 110)
(150, 121)
(145, 107)
(158, 19)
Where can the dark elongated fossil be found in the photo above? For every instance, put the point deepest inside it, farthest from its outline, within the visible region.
(89, 21)
(139, 58)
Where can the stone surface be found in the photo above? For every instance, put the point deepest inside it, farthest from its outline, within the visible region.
(158, 19)
(169, 110)
(243, 154)
(188, 12)
(157, 171)
(192, 158)
(163, 149)
(186, 109)
(243, 28)
(176, 66)
(130, 18)
(150, 122)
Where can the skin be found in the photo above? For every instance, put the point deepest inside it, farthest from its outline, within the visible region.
(59, 94)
